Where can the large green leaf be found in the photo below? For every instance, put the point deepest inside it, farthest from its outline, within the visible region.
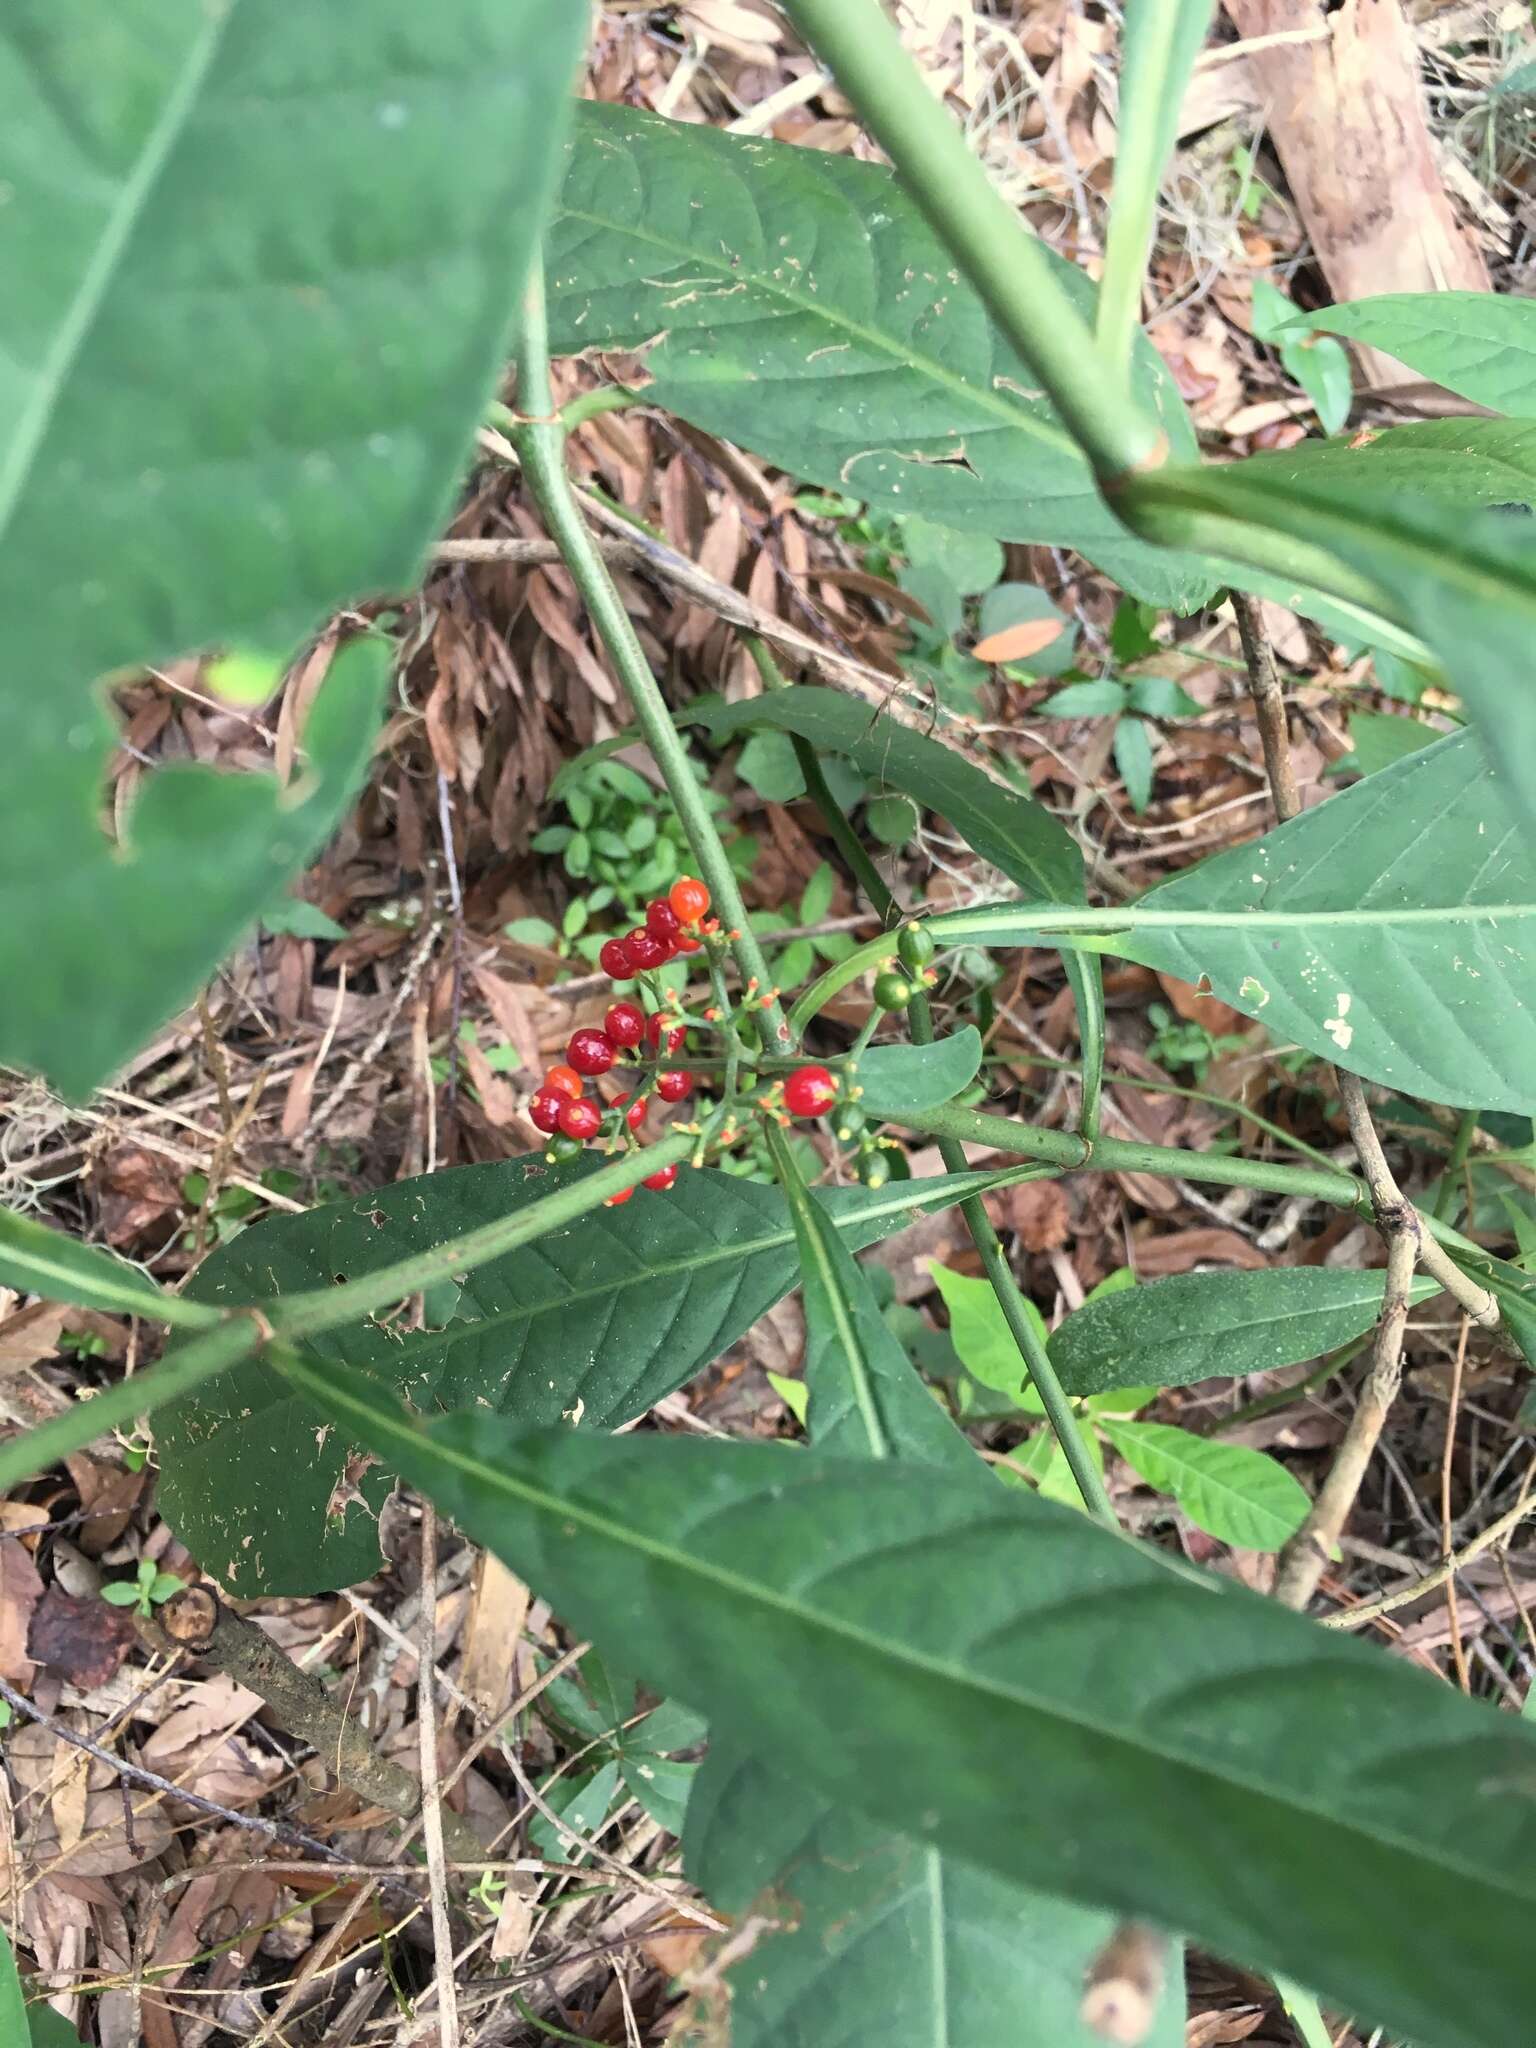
(592, 1324)
(260, 264)
(1203, 1326)
(1461, 582)
(1455, 462)
(799, 304)
(881, 1938)
(1039, 1696)
(1391, 929)
(1474, 343)
(1231, 1491)
(1014, 832)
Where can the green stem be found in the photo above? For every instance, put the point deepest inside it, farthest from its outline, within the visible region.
(1119, 1155)
(1007, 265)
(836, 820)
(540, 442)
(1461, 1145)
(119, 1405)
(591, 405)
(1059, 1411)
(302, 1315)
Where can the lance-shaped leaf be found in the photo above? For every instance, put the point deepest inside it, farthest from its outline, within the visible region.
(1231, 1491)
(1480, 344)
(798, 303)
(1176, 1728)
(1463, 584)
(1203, 1326)
(1391, 929)
(895, 1079)
(259, 272)
(592, 1324)
(36, 1259)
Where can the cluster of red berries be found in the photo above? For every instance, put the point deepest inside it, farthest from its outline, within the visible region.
(559, 1106)
(664, 934)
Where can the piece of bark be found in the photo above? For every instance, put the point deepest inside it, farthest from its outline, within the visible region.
(1344, 108)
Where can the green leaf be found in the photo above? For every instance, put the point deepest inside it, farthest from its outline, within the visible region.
(1380, 740)
(1161, 697)
(891, 819)
(1103, 697)
(594, 1323)
(807, 311)
(1019, 604)
(1172, 1721)
(294, 918)
(1465, 586)
(13, 2011)
(972, 562)
(898, 1078)
(1203, 1326)
(877, 1938)
(1322, 370)
(1480, 345)
(49, 2029)
(1413, 879)
(768, 765)
(1133, 758)
(290, 255)
(1235, 1494)
(1013, 832)
(1515, 1292)
(982, 1339)
(36, 1259)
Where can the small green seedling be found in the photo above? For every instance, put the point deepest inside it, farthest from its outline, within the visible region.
(148, 1589)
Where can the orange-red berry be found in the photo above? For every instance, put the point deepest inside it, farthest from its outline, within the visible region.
(809, 1091)
(688, 898)
(563, 1081)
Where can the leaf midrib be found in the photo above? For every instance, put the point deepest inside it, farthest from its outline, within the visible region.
(1125, 921)
(834, 319)
(749, 1592)
(117, 233)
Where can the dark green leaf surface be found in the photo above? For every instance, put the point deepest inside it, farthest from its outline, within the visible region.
(1202, 1326)
(882, 1938)
(259, 271)
(896, 1079)
(1462, 583)
(1475, 343)
(13, 2011)
(1012, 831)
(805, 310)
(1176, 1728)
(593, 1324)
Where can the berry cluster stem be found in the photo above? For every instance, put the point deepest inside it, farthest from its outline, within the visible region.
(539, 438)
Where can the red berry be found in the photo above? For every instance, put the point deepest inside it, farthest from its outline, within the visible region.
(625, 1024)
(615, 961)
(689, 899)
(544, 1108)
(685, 944)
(617, 1201)
(675, 1035)
(662, 1180)
(580, 1119)
(673, 1085)
(634, 1116)
(809, 1091)
(645, 950)
(661, 922)
(562, 1081)
(591, 1052)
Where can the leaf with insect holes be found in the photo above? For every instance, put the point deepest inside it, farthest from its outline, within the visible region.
(794, 1598)
(1235, 1494)
(1202, 1326)
(1481, 345)
(259, 273)
(1413, 880)
(591, 1324)
(796, 302)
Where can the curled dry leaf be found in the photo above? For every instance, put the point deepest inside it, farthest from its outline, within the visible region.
(85, 1641)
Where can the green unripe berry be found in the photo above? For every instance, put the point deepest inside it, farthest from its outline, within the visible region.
(892, 991)
(561, 1148)
(874, 1169)
(849, 1122)
(914, 942)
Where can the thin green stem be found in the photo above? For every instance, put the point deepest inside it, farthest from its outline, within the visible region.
(302, 1315)
(591, 405)
(1455, 1165)
(1007, 265)
(846, 840)
(117, 1406)
(540, 442)
(1059, 1411)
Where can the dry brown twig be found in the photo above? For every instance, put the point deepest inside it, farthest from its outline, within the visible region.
(1409, 1243)
(431, 1785)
